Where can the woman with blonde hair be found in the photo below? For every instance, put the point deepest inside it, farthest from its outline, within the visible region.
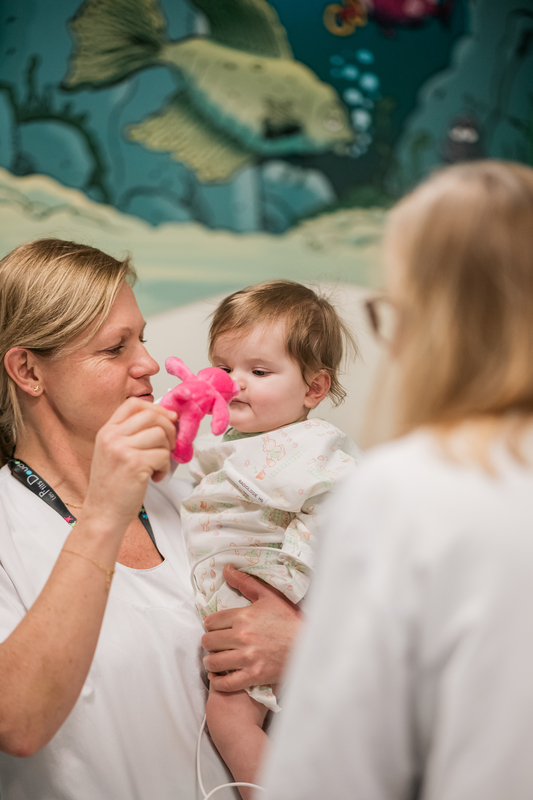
(101, 693)
(414, 675)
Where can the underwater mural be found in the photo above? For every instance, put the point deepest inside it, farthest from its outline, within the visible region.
(226, 141)
(242, 96)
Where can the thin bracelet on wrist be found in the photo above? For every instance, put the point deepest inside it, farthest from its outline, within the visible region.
(107, 570)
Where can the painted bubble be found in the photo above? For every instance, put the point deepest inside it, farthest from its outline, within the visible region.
(365, 56)
(356, 151)
(337, 61)
(335, 73)
(361, 118)
(369, 82)
(350, 72)
(353, 97)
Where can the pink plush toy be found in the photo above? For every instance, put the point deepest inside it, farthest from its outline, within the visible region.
(209, 392)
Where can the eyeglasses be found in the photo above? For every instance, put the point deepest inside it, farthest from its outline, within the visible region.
(383, 317)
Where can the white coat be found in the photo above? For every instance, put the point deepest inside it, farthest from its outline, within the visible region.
(414, 675)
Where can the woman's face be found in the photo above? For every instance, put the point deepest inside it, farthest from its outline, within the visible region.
(84, 388)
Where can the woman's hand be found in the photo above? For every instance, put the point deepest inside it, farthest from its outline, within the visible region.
(132, 447)
(251, 643)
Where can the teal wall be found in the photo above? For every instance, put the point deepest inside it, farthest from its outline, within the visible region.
(412, 93)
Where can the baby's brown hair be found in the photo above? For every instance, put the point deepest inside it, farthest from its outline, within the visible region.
(316, 338)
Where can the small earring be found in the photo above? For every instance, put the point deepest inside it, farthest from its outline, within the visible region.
(36, 388)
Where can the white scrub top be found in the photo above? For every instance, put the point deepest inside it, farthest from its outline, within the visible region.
(132, 733)
(414, 675)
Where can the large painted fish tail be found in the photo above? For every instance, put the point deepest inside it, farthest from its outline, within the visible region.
(113, 39)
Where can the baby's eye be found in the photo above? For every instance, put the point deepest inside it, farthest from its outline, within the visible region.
(259, 372)
(225, 369)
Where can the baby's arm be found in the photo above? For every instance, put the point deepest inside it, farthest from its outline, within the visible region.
(235, 722)
(246, 646)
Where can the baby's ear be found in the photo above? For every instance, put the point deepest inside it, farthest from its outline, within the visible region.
(319, 386)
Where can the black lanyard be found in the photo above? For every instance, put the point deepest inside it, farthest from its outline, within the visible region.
(39, 486)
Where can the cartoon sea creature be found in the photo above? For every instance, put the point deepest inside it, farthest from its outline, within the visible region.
(342, 19)
(463, 141)
(244, 95)
(407, 13)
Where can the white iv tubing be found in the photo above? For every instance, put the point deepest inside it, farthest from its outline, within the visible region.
(207, 796)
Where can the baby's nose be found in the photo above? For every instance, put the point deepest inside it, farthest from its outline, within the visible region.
(239, 377)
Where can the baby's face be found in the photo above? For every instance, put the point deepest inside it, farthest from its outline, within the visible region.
(273, 391)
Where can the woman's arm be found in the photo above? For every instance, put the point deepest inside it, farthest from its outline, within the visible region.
(253, 642)
(45, 660)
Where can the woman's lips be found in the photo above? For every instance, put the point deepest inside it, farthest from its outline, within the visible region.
(147, 396)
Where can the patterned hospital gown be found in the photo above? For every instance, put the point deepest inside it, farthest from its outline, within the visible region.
(260, 491)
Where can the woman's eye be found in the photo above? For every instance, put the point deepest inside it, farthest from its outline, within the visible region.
(114, 351)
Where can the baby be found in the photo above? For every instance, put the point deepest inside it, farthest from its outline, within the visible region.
(255, 505)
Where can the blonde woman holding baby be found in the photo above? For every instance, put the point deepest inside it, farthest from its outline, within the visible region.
(101, 687)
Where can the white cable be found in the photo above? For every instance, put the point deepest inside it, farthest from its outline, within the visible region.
(223, 785)
(207, 796)
(229, 785)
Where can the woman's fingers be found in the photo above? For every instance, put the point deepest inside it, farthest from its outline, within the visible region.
(219, 621)
(150, 438)
(216, 641)
(250, 587)
(132, 447)
(234, 681)
(145, 416)
(133, 405)
(138, 425)
(227, 660)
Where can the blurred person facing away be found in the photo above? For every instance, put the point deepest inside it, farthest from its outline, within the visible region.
(413, 677)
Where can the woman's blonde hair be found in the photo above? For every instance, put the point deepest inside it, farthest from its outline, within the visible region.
(462, 247)
(316, 337)
(50, 292)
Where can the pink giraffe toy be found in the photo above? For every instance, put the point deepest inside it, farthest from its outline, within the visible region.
(209, 392)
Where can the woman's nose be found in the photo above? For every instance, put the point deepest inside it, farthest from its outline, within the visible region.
(145, 364)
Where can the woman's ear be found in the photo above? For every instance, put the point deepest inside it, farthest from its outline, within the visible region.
(319, 386)
(23, 368)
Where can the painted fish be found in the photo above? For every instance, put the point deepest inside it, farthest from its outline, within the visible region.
(244, 96)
